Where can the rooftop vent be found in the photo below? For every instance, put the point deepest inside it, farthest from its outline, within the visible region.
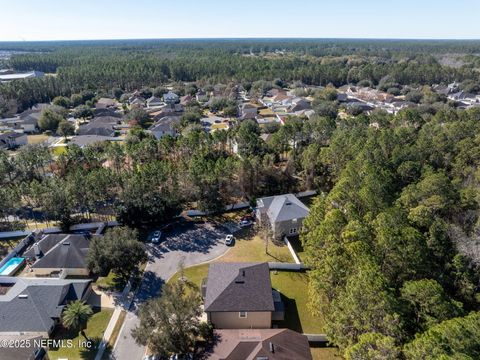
(270, 346)
(23, 296)
(36, 249)
(66, 243)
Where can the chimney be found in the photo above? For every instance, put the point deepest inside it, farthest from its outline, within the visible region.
(243, 273)
(272, 349)
(37, 251)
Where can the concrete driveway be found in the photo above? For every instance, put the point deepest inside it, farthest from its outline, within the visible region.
(188, 243)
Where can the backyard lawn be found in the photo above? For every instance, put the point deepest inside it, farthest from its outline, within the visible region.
(294, 289)
(95, 328)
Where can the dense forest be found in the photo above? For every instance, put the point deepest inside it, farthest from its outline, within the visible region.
(393, 238)
(394, 242)
(104, 65)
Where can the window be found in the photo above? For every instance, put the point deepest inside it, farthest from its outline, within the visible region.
(293, 231)
(242, 314)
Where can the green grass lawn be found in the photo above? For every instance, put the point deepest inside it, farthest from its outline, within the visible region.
(111, 282)
(294, 289)
(95, 328)
(251, 248)
(325, 353)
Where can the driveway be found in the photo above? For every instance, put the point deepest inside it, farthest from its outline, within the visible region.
(188, 243)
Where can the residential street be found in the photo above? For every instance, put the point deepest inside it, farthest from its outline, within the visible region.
(188, 243)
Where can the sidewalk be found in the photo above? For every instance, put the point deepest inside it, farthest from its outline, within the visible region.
(124, 304)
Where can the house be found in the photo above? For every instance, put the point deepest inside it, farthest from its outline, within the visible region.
(12, 140)
(57, 253)
(299, 104)
(87, 140)
(33, 306)
(274, 92)
(106, 103)
(154, 102)
(201, 96)
(31, 348)
(101, 126)
(248, 111)
(165, 126)
(255, 344)
(285, 213)
(138, 102)
(106, 112)
(240, 296)
(27, 120)
(29, 123)
(170, 98)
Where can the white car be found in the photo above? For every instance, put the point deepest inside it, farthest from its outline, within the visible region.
(229, 239)
(245, 223)
(157, 235)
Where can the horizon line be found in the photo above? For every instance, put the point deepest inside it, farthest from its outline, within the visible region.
(242, 38)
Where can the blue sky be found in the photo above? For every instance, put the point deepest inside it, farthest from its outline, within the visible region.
(123, 19)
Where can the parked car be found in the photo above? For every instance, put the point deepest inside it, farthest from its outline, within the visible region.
(245, 223)
(229, 240)
(180, 357)
(156, 236)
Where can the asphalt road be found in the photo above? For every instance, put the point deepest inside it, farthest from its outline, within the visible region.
(187, 243)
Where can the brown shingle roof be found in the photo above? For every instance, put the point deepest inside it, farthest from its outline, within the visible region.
(274, 344)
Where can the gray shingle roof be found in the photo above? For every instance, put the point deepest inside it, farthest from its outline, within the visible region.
(284, 207)
(25, 352)
(102, 125)
(239, 287)
(61, 251)
(166, 123)
(32, 305)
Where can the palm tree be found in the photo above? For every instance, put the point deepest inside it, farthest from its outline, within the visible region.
(76, 315)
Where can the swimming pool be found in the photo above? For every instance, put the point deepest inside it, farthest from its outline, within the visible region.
(11, 266)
